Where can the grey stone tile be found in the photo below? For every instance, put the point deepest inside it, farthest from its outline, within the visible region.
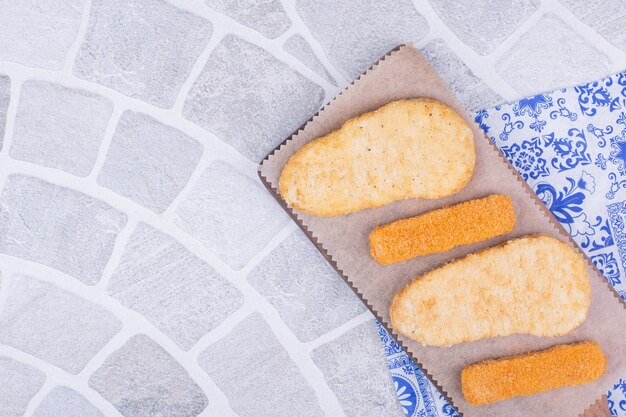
(144, 49)
(483, 25)
(605, 16)
(39, 33)
(551, 55)
(355, 34)
(58, 227)
(18, 384)
(180, 294)
(65, 402)
(142, 380)
(254, 371)
(249, 99)
(307, 292)
(5, 97)
(265, 16)
(469, 89)
(148, 162)
(59, 127)
(297, 46)
(358, 355)
(231, 214)
(54, 325)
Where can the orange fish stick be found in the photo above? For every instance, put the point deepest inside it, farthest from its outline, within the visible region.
(532, 373)
(442, 229)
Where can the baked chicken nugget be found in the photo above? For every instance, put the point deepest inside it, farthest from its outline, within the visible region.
(417, 148)
(534, 285)
(531, 373)
(443, 229)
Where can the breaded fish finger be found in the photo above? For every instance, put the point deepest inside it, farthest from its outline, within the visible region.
(417, 148)
(532, 285)
(531, 373)
(443, 229)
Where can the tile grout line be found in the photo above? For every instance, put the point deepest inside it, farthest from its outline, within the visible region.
(118, 340)
(298, 27)
(107, 139)
(339, 331)
(272, 244)
(122, 239)
(293, 63)
(203, 164)
(217, 35)
(510, 41)
(222, 330)
(72, 53)
(320, 54)
(38, 398)
(283, 37)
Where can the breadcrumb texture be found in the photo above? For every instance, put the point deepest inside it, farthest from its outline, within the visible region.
(443, 229)
(418, 148)
(534, 285)
(531, 373)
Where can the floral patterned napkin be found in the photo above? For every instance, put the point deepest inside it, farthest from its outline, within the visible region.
(570, 146)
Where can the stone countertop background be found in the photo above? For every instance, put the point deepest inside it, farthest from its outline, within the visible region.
(143, 269)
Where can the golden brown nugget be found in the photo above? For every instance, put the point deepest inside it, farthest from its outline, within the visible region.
(443, 229)
(417, 148)
(534, 285)
(531, 373)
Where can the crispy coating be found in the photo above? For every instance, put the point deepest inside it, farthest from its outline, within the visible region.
(417, 148)
(443, 229)
(532, 285)
(531, 373)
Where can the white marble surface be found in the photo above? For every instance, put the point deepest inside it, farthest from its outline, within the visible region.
(144, 271)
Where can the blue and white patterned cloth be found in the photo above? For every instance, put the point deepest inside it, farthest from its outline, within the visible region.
(570, 146)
